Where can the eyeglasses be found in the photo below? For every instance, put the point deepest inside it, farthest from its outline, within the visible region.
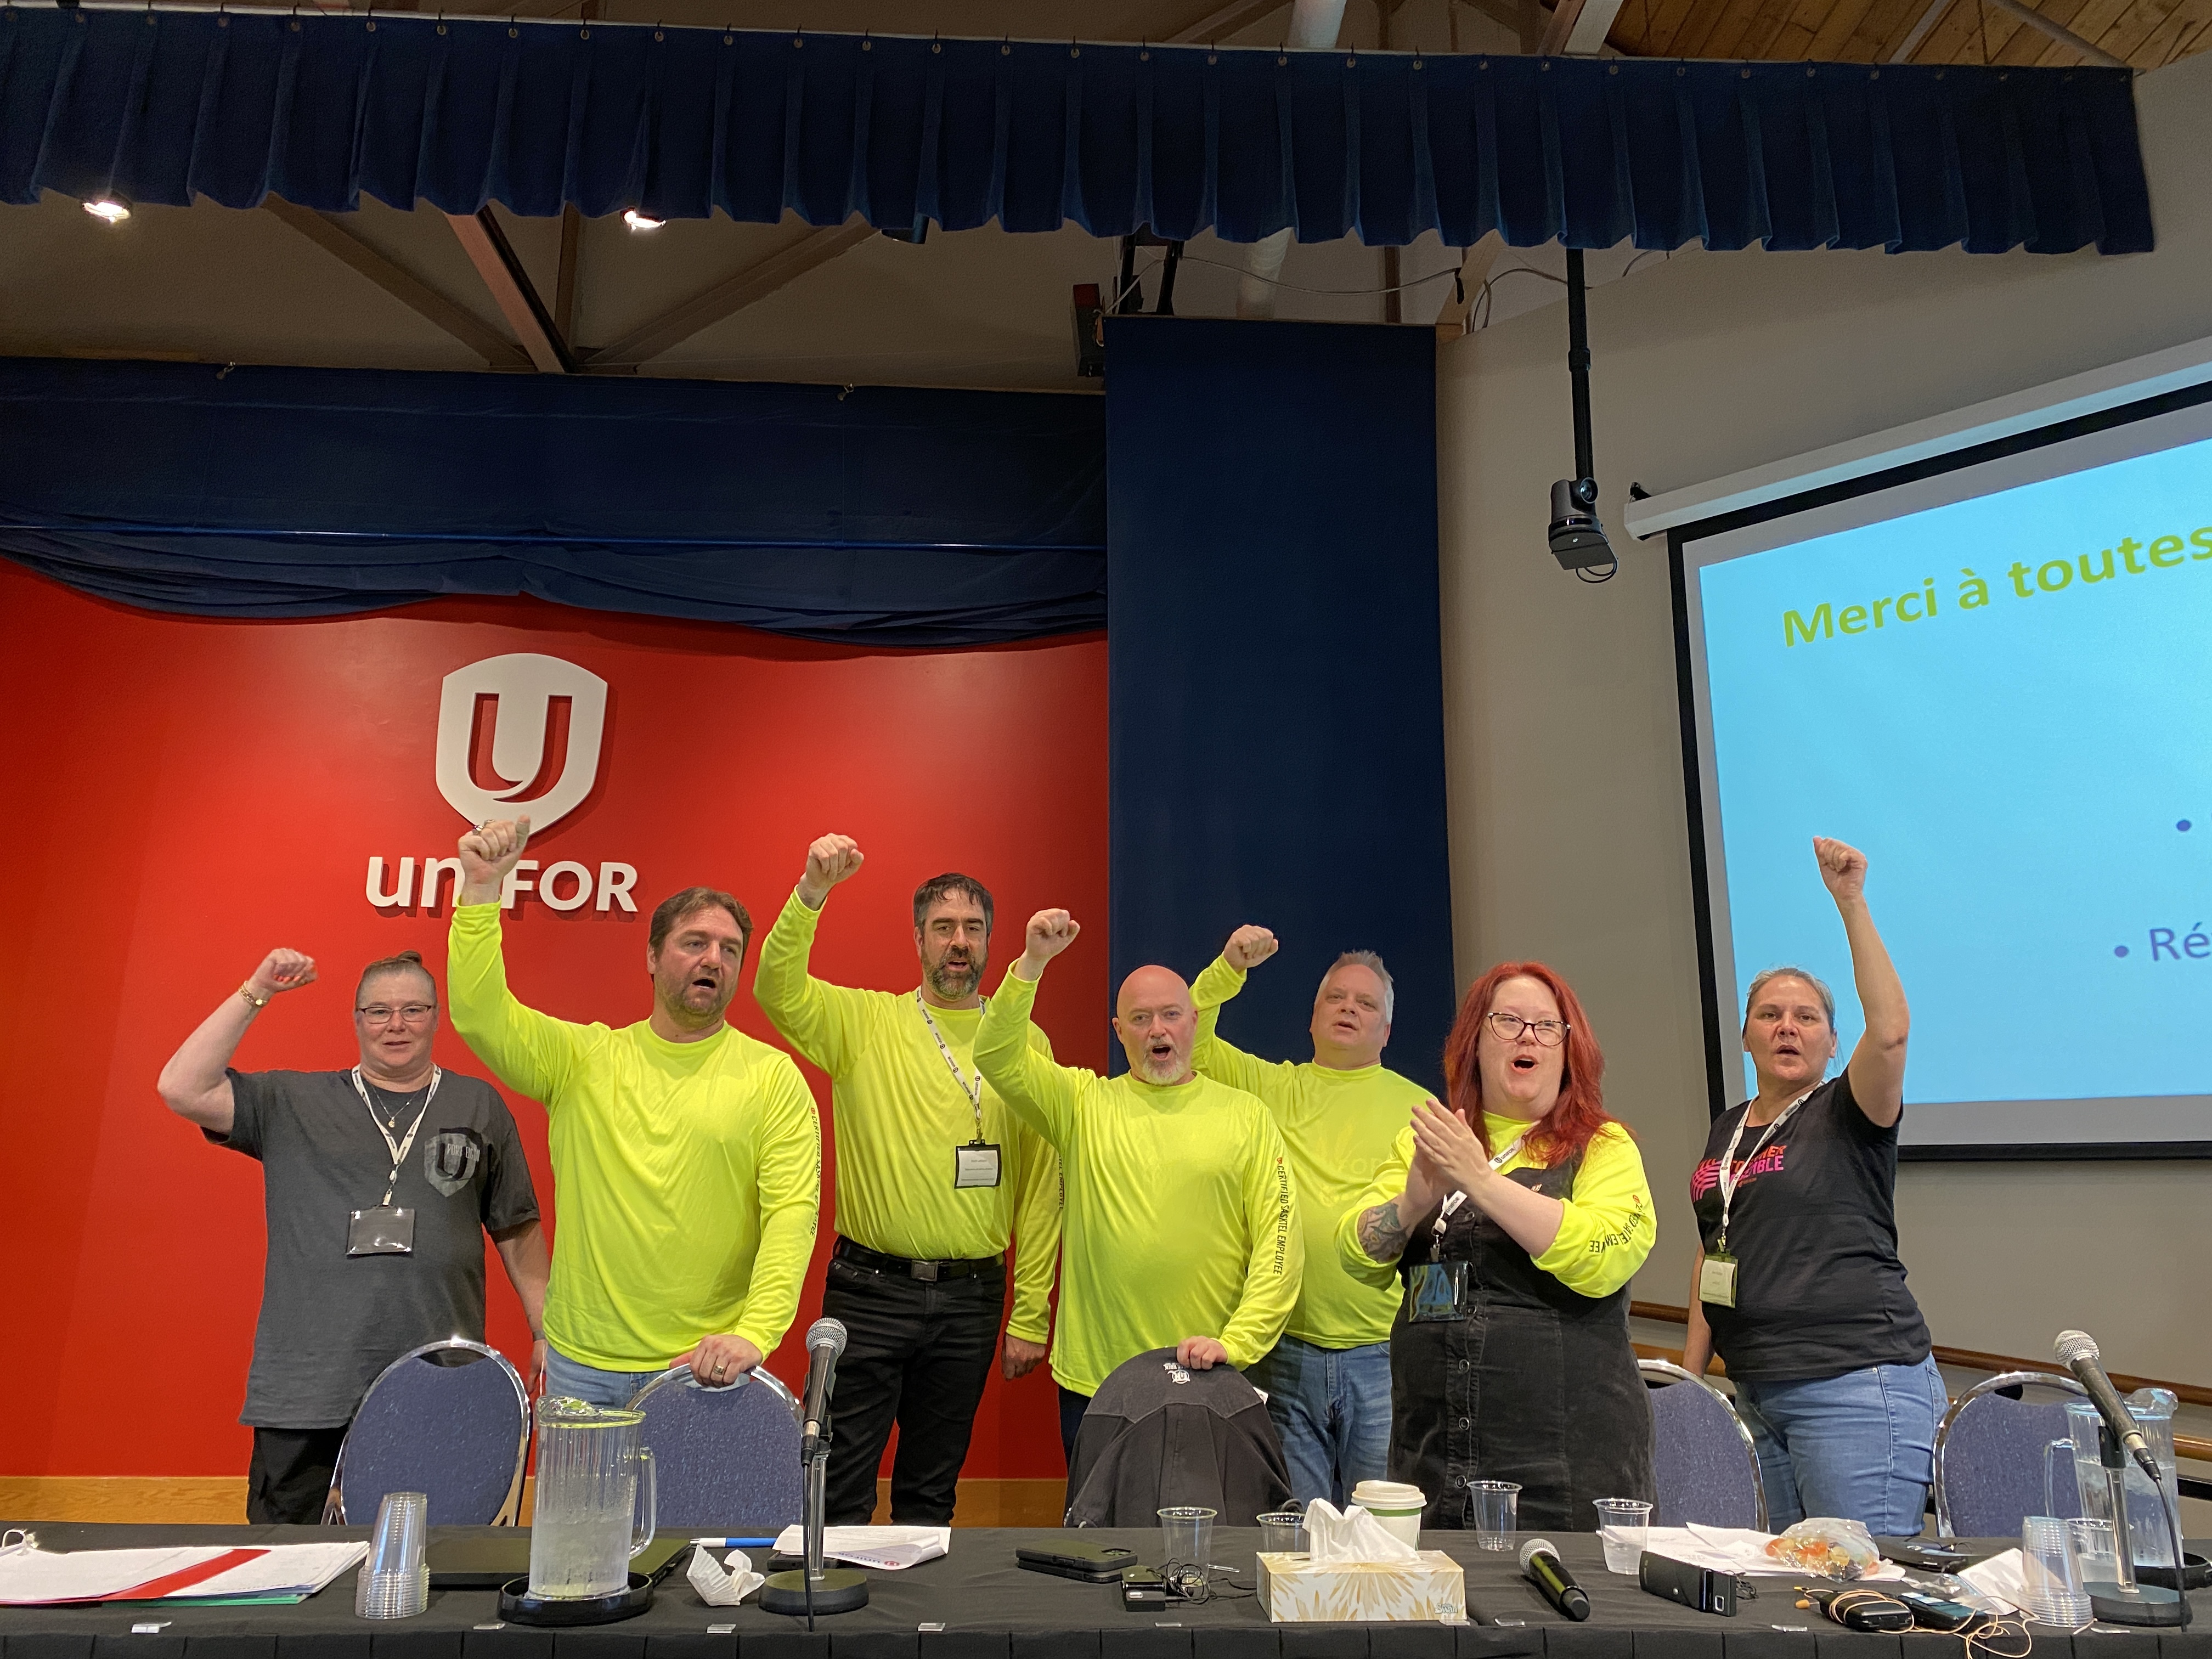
(1548, 1033)
(414, 1014)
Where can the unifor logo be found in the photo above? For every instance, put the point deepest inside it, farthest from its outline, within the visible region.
(519, 735)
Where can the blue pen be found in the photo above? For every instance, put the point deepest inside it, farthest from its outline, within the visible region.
(734, 1543)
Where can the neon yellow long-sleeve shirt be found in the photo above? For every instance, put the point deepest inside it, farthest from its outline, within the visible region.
(686, 1175)
(1606, 1233)
(900, 1113)
(1338, 1127)
(1182, 1213)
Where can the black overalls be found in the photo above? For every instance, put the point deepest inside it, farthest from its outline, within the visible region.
(1534, 1383)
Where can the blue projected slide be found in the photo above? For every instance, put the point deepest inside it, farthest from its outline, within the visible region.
(2006, 701)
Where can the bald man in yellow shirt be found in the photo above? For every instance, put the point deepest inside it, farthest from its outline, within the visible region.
(1180, 1224)
(935, 1179)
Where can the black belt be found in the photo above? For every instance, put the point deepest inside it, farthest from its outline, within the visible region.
(906, 1268)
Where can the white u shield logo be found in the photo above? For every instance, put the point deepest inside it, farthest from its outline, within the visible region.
(518, 736)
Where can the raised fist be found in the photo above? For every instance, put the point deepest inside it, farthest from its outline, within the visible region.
(282, 971)
(488, 851)
(1248, 946)
(1050, 932)
(1843, 868)
(830, 860)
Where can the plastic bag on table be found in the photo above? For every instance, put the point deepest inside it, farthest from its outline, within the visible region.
(1826, 1547)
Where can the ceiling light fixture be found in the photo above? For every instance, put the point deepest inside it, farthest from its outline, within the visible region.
(637, 221)
(111, 209)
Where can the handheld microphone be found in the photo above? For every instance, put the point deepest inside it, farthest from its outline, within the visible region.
(825, 1341)
(1540, 1560)
(2077, 1352)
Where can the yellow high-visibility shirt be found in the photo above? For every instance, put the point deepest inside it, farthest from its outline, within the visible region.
(1607, 1232)
(899, 1115)
(1338, 1127)
(1181, 1216)
(686, 1175)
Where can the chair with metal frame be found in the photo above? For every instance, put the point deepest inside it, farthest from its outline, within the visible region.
(1703, 1457)
(723, 1460)
(449, 1420)
(1990, 1457)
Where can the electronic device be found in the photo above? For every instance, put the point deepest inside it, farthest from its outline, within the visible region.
(1143, 1591)
(1077, 1558)
(825, 1341)
(1862, 1609)
(1540, 1564)
(1927, 1554)
(1702, 1588)
(1934, 1612)
(2077, 1350)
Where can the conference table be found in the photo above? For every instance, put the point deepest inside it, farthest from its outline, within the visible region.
(975, 1603)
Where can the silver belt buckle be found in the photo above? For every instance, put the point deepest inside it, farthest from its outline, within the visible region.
(925, 1271)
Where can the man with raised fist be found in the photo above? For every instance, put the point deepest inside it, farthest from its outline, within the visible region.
(935, 1177)
(379, 1182)
(1327, 1381)
(1181, 1225)
(687, 1162)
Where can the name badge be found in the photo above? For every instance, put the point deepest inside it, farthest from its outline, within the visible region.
(1716, 1281)
(388, 1230)
(975, 1165)
(1436, 1291)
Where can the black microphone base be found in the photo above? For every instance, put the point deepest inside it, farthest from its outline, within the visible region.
(2147, 1605)
(839, 1590)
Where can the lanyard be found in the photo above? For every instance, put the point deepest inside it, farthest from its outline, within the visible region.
(1731, 1172)
(396, 1148)
(1444, 1215)
(973, 1091)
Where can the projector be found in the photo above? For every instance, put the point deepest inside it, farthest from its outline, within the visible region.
(1577, 538)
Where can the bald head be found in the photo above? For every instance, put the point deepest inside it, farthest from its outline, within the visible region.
(1156, 1024)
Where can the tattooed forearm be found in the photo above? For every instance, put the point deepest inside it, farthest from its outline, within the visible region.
(1382, 1235)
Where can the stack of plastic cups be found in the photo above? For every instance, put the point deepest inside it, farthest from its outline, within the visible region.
(2051, 1574)
(395, 1580)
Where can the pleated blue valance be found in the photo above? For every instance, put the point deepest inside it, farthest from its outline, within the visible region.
(322, 110)
(882, 516)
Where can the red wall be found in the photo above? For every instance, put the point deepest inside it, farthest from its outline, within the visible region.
(183, 794)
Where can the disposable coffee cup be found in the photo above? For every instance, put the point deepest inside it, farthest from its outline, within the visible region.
(1396, 1506)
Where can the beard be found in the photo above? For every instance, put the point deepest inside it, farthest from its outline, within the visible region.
(691, 1004)
(953, 980)
(1163, 1071)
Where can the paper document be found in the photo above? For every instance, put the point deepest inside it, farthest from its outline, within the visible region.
(888, 1549)
(40, 1577)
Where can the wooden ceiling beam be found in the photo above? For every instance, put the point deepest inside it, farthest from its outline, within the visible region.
(727, 298)
(490, 251)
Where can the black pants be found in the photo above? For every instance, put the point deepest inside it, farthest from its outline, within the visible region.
(918, 1354)
(289, 1478)
(1072, 1407)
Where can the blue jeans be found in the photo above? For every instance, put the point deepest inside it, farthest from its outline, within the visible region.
(1331, 1408)
(589, 1384)
(1861, 1447)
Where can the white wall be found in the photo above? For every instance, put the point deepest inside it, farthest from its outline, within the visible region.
(1569, 837)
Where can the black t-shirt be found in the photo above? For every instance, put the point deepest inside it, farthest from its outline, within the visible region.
(1820, 1290)
(329, 1321)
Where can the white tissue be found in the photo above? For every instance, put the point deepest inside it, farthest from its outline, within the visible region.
(1351, 1537)
(724, 1583)
(2001, 1578)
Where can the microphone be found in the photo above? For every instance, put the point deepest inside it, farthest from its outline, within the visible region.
(1540, 1560)
(2077, 1352)
(825, 1341)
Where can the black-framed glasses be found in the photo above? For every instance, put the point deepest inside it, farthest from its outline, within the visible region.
(1548, 1033)
(414, 1014)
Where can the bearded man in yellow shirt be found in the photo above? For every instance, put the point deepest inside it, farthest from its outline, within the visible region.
(935, 1177)
(1328, 1381)
(687, 1161)
(1181, 1223)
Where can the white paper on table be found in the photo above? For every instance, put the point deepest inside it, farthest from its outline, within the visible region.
(2001, 1578)
(1734, 1549)
(723, 1583)
(282, 1568)
(887, 1549)
(30, 1577)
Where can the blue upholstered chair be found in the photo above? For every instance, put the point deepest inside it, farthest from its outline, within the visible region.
(451, 1420)
(1988, 1457)
(723, 1460)
(1701, 1453)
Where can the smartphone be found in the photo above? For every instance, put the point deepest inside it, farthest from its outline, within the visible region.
(1932, 1554)
(1079, 1559)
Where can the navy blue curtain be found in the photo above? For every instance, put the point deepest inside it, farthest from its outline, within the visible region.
(887, 516)
(161, 106)
(1275, 664)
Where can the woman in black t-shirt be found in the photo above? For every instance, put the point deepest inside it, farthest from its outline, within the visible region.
(1798, 1286)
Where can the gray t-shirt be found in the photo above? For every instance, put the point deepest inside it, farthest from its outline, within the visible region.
(329, 1321)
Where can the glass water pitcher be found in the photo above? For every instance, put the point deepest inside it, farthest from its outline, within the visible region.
(595, 1499)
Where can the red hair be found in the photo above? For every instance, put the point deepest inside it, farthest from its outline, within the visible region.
(1578, 1114)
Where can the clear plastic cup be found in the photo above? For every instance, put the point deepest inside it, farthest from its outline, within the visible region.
(1283, 1532)
(2051, 1573)
(1497, 1505)
(1187, 1534)
(395, 1581)
(1623, 1527)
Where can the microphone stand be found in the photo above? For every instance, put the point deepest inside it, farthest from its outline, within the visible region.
(814, 1587)
(2125, 1602)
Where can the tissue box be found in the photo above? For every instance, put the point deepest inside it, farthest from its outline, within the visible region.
(1431, 1586)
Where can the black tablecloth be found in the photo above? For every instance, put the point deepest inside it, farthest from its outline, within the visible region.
(990, 1609)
